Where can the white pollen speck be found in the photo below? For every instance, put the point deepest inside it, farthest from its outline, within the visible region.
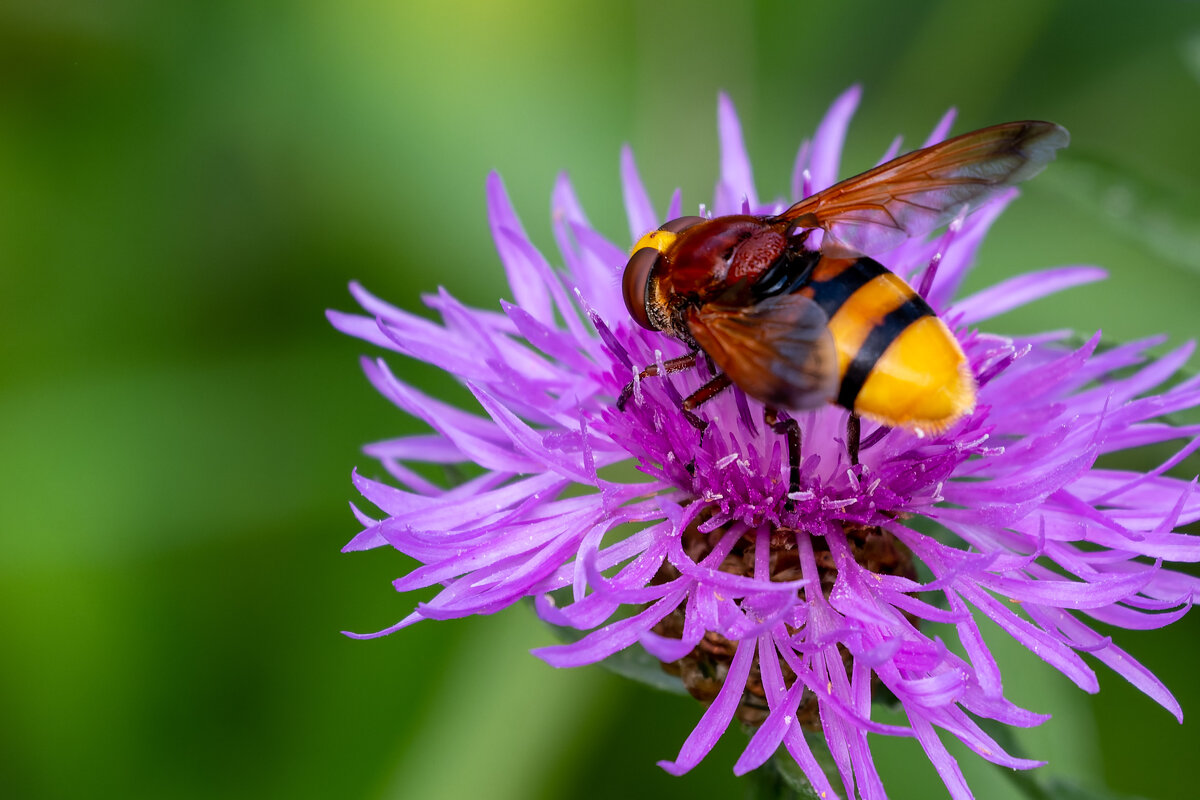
(874, 485)
(726, 461)
(853, 479)
(806, 494)
(838, 504)
(975, 443)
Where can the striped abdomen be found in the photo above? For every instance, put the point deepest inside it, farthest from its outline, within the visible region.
(897, 362)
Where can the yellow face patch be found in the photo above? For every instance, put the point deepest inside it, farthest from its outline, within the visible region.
(658, 240)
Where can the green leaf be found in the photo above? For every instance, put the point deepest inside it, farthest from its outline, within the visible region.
(636, 664)
(779, 779)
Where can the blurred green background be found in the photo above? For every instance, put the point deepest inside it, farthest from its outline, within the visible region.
(186, 186)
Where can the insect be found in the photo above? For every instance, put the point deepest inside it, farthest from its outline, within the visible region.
(792, 309)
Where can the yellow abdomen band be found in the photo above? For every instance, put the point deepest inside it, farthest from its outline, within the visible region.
(897, 362)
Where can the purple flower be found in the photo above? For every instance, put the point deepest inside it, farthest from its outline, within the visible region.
(786, 612)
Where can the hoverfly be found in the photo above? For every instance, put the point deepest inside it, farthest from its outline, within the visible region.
(796, 323)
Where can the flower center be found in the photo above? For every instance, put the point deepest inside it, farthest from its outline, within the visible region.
(704, 669)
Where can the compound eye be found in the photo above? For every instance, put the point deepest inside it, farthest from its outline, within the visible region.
(635, 282)
(680, 224)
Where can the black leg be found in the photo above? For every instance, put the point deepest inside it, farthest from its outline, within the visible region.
(853, 437)
(671, 365)
(790, 429)
(705, 393)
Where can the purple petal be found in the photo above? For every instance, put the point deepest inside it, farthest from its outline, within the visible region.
(602, 643)
(827, 143)
(1125, 665)
(970, 734)
(1023, 290)
(567, 310)
(1040, 643)
(943, 762)
(794, 738)
(664, 648)
(987, 672)
(472, 435)
(605, 265)
(942, 129)
(799, 169)
(404, 623)
(718, 716)
(892, 151)
(549, 340)
(1069, 594)
(525, 439)
(528, 289)
(934, 690)
(429, 448)
(565, 211)
(1153, 374)
(519, 539)
(735, 585)
(361, 327)
(637, 202)
(1146, 434)
(735, 163)
(767, 738)
(958, 259)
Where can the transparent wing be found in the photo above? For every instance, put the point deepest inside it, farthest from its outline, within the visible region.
(918, 192)
(778, 350)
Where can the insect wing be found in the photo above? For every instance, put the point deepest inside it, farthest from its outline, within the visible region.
(923, 190)
(778, 350)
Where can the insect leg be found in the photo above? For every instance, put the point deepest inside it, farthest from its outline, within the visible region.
(853, 437)
(702, 395)
(671, 365)
(791, 429)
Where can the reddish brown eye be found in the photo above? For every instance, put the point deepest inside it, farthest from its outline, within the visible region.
(680, 224)
(635, 282)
